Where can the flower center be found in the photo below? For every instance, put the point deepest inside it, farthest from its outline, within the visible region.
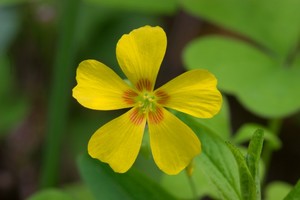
(146, 102)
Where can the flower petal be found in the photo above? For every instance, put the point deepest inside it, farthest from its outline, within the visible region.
(173, 143)
(99, 87)
(193, 92)
(118, 142)
(140, 54)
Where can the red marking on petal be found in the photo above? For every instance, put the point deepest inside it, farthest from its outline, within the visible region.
(143, 84)
(156, 116)
(162, 97)
(129, 96)
(136, 117)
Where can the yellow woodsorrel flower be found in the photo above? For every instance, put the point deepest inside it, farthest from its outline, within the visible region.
(117, 143)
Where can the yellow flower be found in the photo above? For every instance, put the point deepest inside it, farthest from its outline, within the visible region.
(172, 142)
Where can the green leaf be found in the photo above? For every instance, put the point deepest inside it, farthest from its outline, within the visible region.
(249, 166)
(232, 61)
(216, 160)
(294, 193)
(260, 82)
(245, 133)
(180, 185)
(69, 192)
(253, 157)
(254, 151)
(272, 23)
(280, 88)
(78, 191)
(277, 190)
(106, 184)
(50, 194)
(247, 183)
(145, 6)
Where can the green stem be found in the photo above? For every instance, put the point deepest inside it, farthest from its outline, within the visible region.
(192, 185)
(60, 93)
(274, 126)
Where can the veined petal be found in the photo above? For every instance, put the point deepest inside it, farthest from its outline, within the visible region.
(173, 143)
(140, 54)
(100, 88)
(193, 92)
(118, 142)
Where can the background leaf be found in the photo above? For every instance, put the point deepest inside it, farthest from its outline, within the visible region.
(260, 82)
(274, 24)
(216, 160)
(277, 190)
(180, 186)
(78, 191)
(245, 133)
(237, 61)
(294, 194)
(106, 184)
(51, 194)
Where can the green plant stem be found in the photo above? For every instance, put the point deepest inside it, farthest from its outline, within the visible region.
(192, 185)
(60, 93)
(274, 126)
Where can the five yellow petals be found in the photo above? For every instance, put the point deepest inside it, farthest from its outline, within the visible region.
(117, 143)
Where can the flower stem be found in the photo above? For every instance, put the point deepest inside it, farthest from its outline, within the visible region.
(192, 184)
(59, 94)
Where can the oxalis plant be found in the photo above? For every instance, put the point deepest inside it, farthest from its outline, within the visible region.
(193, 156)
(173, 137)
(174, 145)
(175, 141)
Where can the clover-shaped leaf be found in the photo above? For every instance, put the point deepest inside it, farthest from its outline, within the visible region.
(263, 75)
(274, 24)
(261, 82)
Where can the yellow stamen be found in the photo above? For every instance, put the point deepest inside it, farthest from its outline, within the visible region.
(146, 102)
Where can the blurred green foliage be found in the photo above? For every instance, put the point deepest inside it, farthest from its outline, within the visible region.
(146, 6)
(257, 61)
(277, 190)
(13, 105)
(263, 72)
(132, 185)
